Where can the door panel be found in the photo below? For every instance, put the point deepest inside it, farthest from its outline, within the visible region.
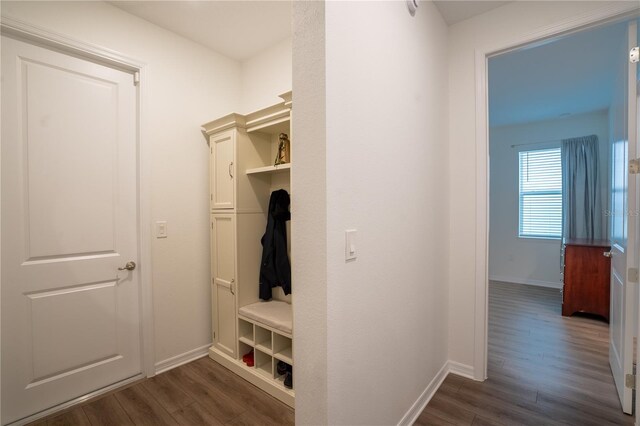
(623, 225)
(68, 169)
(225, 319)
(70, 320)
(617, 317)
(223, 250)
(55, 327)
(223, 167)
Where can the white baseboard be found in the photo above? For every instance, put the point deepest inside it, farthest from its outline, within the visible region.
(538, 283)
(178, 360)
(412, 415)
(460, 369)
(416, 409)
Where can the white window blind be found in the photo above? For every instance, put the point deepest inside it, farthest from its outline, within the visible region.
(540, 193)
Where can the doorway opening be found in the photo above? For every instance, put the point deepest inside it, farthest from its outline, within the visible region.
(560, 318)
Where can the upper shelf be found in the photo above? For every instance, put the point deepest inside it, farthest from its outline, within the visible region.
(274, 127)
(273, 119)
(269, 169)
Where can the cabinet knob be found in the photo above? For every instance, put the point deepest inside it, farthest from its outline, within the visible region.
(606, 254)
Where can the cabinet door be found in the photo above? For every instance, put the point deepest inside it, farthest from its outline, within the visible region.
(222, 170)
(586, 286)
(223, 265)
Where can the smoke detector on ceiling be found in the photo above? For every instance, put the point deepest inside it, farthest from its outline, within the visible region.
(413, 6)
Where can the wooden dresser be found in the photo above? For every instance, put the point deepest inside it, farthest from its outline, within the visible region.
(586, 277)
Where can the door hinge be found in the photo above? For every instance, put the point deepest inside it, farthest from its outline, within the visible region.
(630, 381)
(214, 335)
(632, 275)
(634, 55)
(136, 78)
(634, 166)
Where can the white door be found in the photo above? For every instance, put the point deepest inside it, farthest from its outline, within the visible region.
(223, 266)
(70, 319)
(623, 228)
(223, 170)
(637, 120)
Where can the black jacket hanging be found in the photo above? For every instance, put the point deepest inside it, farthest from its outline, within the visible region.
(275, 269)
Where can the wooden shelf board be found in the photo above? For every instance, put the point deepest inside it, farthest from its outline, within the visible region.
(284, 355)
(263, 348)
(278, 122)
(269, 169)
(246, 340)
(264, 372)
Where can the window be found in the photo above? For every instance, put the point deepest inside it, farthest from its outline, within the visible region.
(540, 194)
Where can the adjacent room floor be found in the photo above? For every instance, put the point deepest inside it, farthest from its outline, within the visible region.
(199, 393)
(544, 369)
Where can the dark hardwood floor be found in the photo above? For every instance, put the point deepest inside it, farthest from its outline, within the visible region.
(199, 393)
(544, 369)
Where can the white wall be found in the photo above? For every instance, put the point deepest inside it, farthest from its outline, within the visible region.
(495, 29)
(185, 85)
(265, 76)
(386, 176)
(375, 329)
(530, 260)
(309, 213)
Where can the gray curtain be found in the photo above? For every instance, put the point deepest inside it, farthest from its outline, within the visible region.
(581, 199)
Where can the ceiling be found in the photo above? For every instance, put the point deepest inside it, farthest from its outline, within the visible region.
(242, 29)
(572, 75)
(236, 29)
(455, 11)
(532, 84)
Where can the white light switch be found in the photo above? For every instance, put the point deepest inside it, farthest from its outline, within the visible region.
(161, 229)
(350, 252)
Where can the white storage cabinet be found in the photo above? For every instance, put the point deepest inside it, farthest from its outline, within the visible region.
(242, 177)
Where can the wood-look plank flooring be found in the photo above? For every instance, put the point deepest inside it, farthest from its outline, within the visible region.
(544, 369)
(199, 393)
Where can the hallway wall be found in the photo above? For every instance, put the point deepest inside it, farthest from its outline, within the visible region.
(383, 170)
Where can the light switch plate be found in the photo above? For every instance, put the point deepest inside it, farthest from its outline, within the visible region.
(350, 252)
(161, 229)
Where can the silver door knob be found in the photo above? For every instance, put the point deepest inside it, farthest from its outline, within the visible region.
(607, 254)
(130, 266)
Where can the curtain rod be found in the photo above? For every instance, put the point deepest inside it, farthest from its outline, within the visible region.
(536, 143)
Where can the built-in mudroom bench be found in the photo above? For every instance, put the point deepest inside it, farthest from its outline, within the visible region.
(249, 161)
